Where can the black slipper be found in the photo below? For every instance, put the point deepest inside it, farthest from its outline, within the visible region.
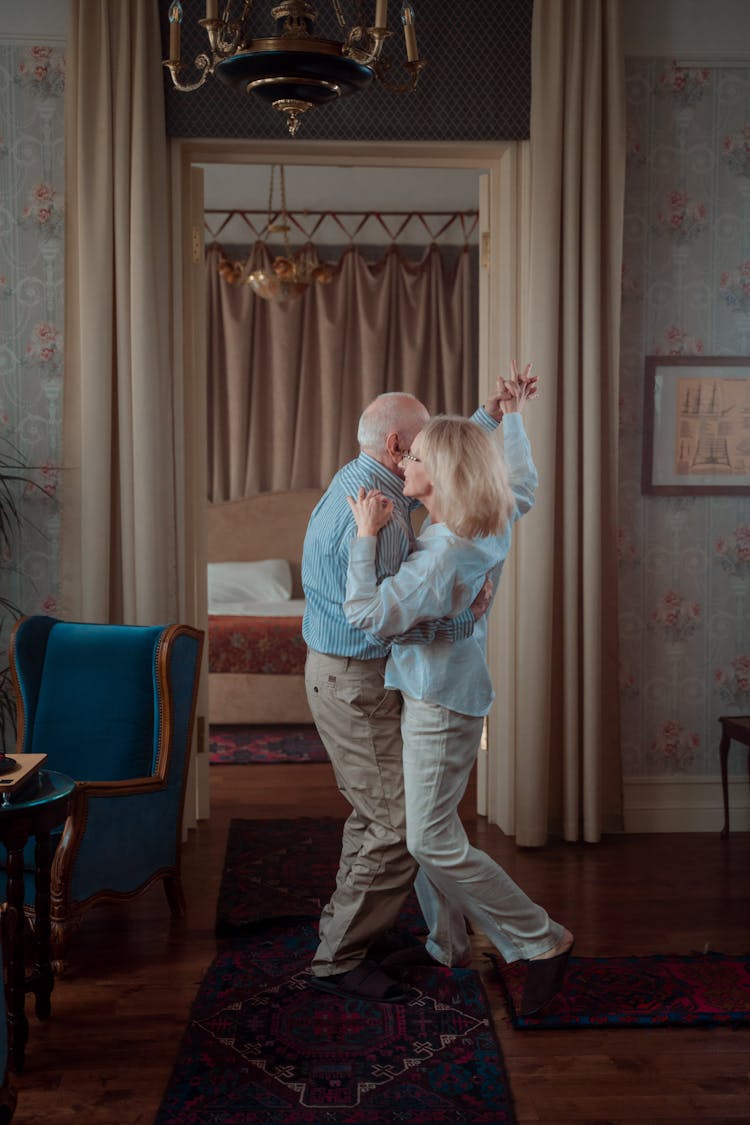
(544, 979)
(414, 955)
(388, 943)
(365, 982)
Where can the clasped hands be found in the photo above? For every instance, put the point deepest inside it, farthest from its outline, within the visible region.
(512, 394)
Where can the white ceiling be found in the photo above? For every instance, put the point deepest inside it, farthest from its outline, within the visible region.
(340, 189)
(336, 188)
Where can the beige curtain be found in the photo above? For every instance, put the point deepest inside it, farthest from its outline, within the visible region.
(118, 533)
(563, 761)
(287, 382)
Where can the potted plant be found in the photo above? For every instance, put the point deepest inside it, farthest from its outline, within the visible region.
(15, 474)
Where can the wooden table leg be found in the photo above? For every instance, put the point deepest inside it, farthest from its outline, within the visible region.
(723, 756)
(43, 978)
(18, 1025)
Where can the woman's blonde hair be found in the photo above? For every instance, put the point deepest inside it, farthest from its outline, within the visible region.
(469, 475)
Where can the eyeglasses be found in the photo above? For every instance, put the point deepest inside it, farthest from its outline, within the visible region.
(409, 456)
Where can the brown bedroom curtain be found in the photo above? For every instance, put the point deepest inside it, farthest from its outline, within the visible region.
(287, 382)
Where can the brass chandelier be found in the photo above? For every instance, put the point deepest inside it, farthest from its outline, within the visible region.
(294, 70)
(287, 275)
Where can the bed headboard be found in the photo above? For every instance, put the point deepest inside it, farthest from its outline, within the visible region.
(270, 525)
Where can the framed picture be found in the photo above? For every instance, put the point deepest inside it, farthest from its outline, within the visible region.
(696, 425)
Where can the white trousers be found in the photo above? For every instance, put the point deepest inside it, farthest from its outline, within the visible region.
(455, 880)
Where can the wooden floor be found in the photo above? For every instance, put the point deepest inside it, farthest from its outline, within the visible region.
(106, 1054)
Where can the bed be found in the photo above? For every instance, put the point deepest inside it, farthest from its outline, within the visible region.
(255, 648)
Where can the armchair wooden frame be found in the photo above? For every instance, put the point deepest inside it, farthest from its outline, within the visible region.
(65, 912)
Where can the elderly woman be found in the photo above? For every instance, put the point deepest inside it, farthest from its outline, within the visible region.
(473, 494)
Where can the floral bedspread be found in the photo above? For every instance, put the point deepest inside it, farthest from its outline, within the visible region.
(256, 644)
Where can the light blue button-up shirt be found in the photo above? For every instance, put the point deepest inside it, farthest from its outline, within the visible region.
(325, 562)
(442, 576)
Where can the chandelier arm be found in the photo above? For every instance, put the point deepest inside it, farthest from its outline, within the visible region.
(336, 4)
(382, 70)
(224, 38)
(226, 15)
(201, 62)
(372, 40)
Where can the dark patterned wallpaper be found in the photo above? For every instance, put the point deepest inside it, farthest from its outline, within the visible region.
(477, 85)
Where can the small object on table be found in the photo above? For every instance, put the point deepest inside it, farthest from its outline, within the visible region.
(7, 764)
(16, 772)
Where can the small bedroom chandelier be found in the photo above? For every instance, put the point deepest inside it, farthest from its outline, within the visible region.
(294, 70)
(287, 275)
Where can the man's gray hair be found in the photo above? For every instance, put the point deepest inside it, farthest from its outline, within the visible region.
(390, 412)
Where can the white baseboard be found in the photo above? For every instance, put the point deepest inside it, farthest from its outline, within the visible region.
(684, 804)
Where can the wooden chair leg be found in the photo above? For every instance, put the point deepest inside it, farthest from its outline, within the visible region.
(175, 895)
(62, 932)
(723, 756)
(8, 1098)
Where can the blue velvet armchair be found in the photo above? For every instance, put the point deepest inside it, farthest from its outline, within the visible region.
(113, 707)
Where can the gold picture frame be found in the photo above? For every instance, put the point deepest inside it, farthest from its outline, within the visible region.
(696, 426)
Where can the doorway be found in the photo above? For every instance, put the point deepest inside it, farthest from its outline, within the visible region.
(189, 157)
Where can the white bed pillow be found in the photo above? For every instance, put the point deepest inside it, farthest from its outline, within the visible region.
(267, 580)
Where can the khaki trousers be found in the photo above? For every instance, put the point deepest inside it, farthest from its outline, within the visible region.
(359, 723)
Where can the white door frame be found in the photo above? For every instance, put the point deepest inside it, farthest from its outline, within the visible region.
(190, 389)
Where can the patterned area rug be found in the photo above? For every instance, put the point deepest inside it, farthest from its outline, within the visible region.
(660, 990)
(285, 868)
(262, 1047)
(259, 745)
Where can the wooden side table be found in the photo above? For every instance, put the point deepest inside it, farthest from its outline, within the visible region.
(735, 727)
(35, 810)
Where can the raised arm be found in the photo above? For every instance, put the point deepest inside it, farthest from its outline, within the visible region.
(522, 474)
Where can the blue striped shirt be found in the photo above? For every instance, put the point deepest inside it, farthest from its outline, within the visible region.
(325, 562)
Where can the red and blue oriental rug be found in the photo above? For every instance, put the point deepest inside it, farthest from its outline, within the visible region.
(239, 744)
(262, 1048)
(656, 991)
(285, 868)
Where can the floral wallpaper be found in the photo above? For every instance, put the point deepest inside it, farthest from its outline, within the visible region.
(32, 81)
(684, 560)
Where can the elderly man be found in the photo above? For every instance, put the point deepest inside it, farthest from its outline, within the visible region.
(357, 719)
